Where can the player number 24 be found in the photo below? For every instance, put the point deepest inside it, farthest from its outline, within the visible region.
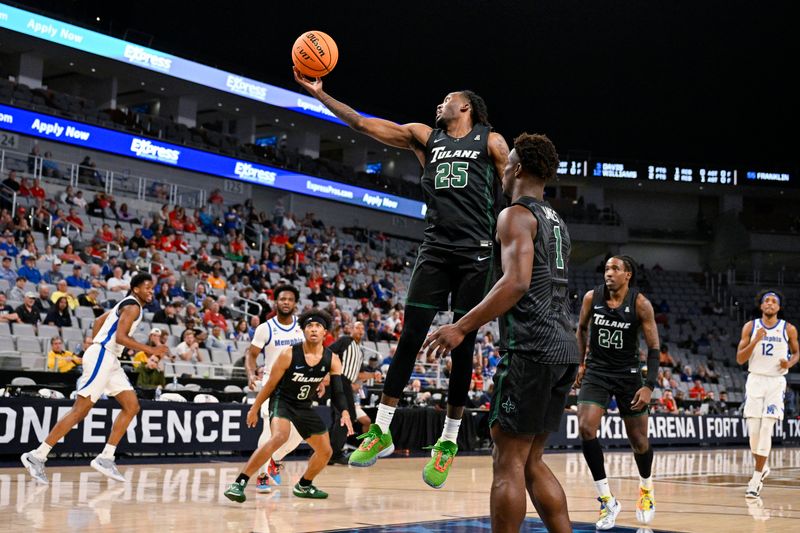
(451, 175)
(607, 338)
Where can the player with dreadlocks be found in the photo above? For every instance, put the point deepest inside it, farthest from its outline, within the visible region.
(610, 318)
(462, 161)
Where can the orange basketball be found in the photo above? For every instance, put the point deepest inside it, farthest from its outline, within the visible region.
(315, 54)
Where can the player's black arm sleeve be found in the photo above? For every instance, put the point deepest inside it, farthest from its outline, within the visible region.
(337, 393)
(652, 367)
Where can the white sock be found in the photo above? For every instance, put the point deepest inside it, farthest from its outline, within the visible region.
(450, 431)
(108, 451)
(646, 483)
(756, 477)
(602, 487)
(42, 451)
(384, 417)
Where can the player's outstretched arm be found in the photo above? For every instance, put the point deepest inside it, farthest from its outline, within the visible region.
(407, 136)
(516, 231)
(746, 346)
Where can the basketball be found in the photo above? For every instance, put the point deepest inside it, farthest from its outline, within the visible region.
(315, 54)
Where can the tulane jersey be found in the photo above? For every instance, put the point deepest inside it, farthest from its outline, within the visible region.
(299, 382)
(461, 190)
(614, 334)
(539, 326)
(769, 351)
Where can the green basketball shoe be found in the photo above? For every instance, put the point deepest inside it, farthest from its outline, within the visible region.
(436, 470)
(375, 443)
(235, 492)
(309, 491)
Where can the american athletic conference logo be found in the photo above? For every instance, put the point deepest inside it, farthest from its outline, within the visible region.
(508, 406)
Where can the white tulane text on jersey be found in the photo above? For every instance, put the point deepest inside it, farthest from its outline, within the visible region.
(273, 337)
(107, 336)
(769, 351)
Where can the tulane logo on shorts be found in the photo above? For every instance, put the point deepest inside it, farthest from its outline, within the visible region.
(508, 406)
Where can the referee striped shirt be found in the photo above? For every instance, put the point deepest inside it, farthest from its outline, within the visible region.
(349, 351)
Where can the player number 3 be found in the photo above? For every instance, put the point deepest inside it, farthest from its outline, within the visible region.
(305, 390)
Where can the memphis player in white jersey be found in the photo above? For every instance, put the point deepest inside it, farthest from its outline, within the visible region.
(102, 374)
(273, 337)
(769, 346)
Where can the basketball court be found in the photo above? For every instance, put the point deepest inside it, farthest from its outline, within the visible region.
(696, 490)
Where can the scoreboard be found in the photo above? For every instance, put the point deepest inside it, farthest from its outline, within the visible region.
(641, 171)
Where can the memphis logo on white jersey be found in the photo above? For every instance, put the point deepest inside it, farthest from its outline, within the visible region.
(273, 337)
(771, 350)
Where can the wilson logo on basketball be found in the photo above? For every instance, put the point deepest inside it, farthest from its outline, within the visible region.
(313, 39)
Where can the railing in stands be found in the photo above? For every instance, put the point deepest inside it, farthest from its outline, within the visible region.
(120, 183)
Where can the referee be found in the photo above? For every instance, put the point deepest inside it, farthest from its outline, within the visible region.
(348, 348)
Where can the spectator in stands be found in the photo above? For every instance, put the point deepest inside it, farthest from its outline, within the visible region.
(7, 313)
(29, 270)
(667, 403)
(697, 392)
(59, 359)
(216, 339)
(11, 181)
(664, 358)
(714, 406)
(59, 315)
(91, 299)
(167, 314)
(240, 332)
(87, 169)
(7, 271)
(48, 255)
(127, 216)
(151, 374)
(117, 283)
(217, 279)
(686, 375)
(62, 292)
(24, 188)
(69, 256)
(58, 239)
(37, 191)
(17, 292)
(26, 311)
(153, 339)
(77, 279)
(74, 220)
(42, 303)
(8, 244)
(192, 318)
(189, 347)
(54, 275)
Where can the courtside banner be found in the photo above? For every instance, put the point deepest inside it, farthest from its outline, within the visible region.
(663, 430)
(160, 427)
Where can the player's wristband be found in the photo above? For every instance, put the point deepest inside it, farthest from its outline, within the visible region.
(337, 393)
(653, 357)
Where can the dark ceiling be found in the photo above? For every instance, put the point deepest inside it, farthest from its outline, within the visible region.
(683, 81)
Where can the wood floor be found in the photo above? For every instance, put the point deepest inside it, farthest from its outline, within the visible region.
(695, 491)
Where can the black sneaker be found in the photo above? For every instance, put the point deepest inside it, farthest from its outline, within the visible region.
(338, 460)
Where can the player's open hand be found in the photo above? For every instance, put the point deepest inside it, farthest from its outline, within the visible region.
(579, 377)
(252, 417)
(442, 341)
(160, 351)
(641, 399)
(347, 423)
(312, 86)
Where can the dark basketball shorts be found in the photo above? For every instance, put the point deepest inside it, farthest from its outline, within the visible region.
(302, 415)
(529, 397)
(464, 275)
(598, 388)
